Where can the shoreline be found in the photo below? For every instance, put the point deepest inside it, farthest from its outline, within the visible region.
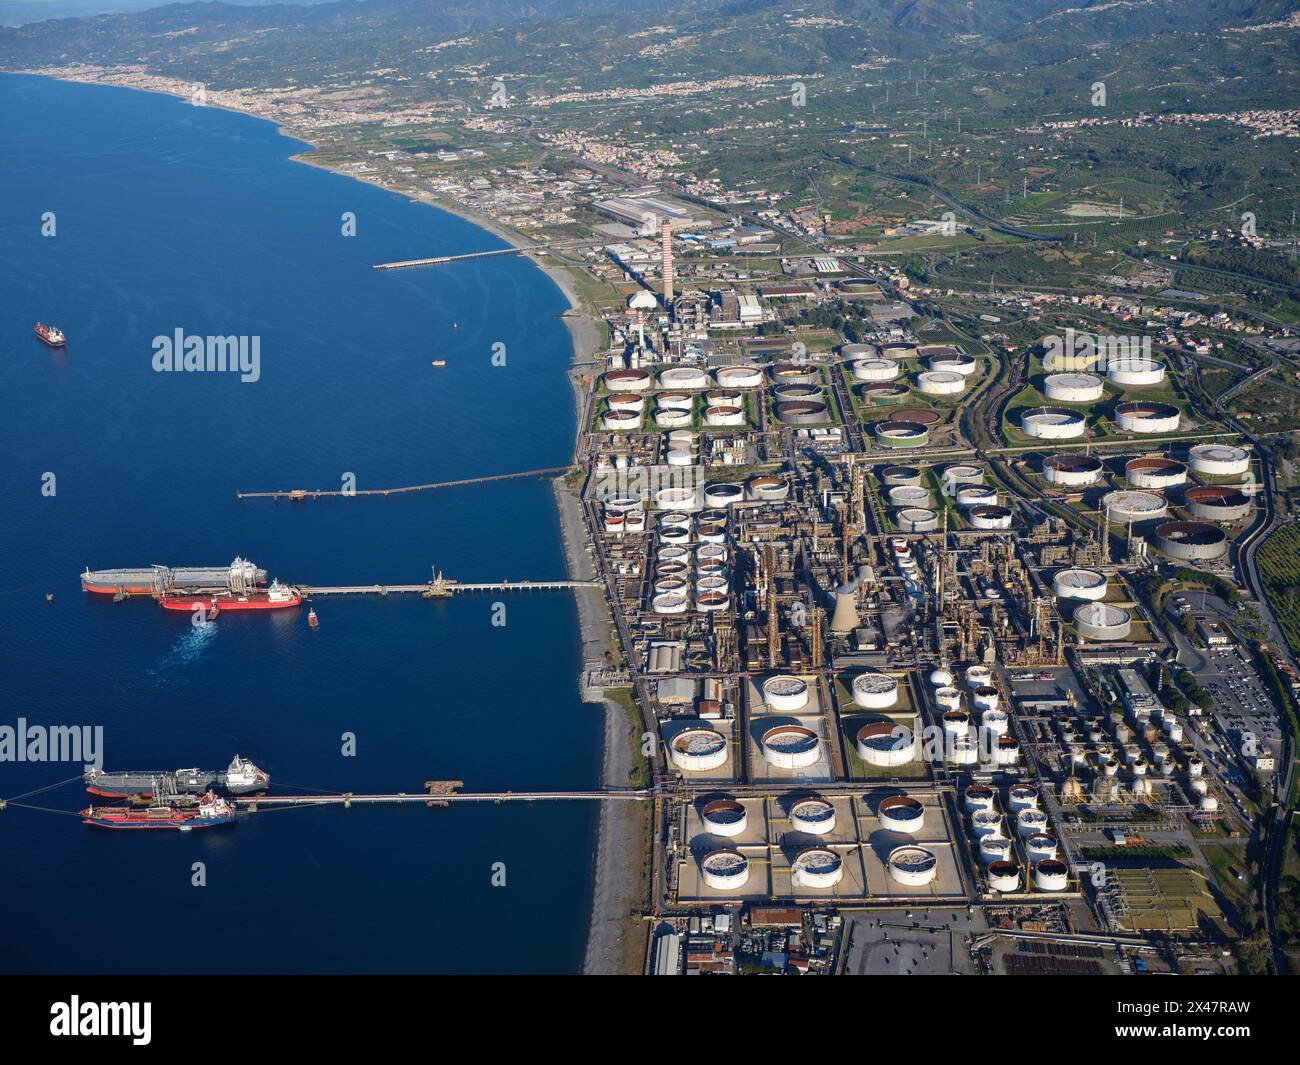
(609, 948)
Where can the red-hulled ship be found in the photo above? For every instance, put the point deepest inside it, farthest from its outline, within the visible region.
(277, 597)
(51, 335)
(211, 811)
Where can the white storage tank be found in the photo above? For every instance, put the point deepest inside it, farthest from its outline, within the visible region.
(884, 743)
(956, 723)
(1079, 584)
(1072, 469)
(1051, 875)
(816, 867)
(976, 497)
(1073, 388)
(979, 797)
(1030, 822)
(994, 849)
(989, 517)
(1132, 371)
(721, 416)
(1022, 797)
(1004, 876)
(986, 823)
(940, 383)
(698, 750)
(1155, 471)
(912, 866)
(1101, 621)
(917, 519)
(726, 870)
(683, 377)
(723, 494)
(791, 746)
(978, 677)
(1219, 460)
(740, 376)
(875, 691)
(785, 693)
(724, 817)
(901, 813)
(627, 380)
(1052, 423)
(963, 751)
(908, 495)
(814, 816)
(1041, 848)
(1129, 506)
(769, 489)
(669, 603)
(1147, 417)
(875, 370)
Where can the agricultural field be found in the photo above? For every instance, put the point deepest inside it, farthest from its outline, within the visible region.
(1279, 566)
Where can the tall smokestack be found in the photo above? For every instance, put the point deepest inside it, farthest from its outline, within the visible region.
(666, 236)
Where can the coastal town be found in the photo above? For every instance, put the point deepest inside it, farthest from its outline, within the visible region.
(935, 547)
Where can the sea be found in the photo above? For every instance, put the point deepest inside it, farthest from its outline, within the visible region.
(126, 216)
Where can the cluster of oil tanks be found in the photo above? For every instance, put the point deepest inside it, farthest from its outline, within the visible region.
(1014, 838)
(689, 543)
(797, 393)
(1080, 592)
(981, 733)
(815, 867)
(723, 401)
(1117, 755)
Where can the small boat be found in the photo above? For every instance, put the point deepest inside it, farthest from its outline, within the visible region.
(312, 620)
(438, 362)
(52, 335)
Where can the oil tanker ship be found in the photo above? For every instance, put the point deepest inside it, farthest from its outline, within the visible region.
(212, 810)
(239, 576)
(277, 597)
(241, 777)
(52, 335)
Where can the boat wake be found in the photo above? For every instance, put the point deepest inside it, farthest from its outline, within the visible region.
(186, 652)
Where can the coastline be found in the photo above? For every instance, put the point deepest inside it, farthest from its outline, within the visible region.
(612, 945)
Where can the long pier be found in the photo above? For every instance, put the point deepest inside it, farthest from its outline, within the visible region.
(252, 802)
(525, 249)
(402, 265)
(441, 588)
(298, 495)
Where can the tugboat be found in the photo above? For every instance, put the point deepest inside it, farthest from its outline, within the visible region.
(51, 335)
(211, 811)
(313, 621)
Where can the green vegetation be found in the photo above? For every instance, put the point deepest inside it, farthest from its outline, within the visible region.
(1279, 567)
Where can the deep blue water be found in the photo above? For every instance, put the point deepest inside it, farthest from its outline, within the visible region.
(174, 216)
